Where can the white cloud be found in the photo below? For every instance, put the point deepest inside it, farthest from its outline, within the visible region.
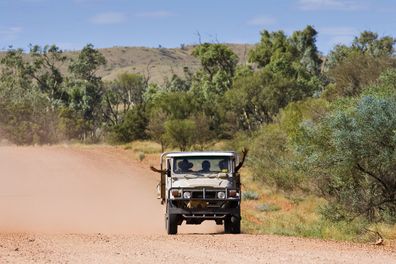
(9, 33)
(262, 21)
(108, 18)
(339, 35)
(346, 5)
(338, 31)
(155, 14)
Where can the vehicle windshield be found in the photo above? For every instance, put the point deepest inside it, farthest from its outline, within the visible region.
(210, 164)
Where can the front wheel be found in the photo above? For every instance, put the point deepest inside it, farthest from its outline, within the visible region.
(171, 224)
(232, 225)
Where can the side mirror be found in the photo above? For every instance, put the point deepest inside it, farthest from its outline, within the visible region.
(168, 172)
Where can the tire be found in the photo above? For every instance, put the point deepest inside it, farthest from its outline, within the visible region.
(232, 225)
(171, 224)
(235, 224)
(227, 225)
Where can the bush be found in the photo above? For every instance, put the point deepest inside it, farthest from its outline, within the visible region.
(271, 159)
(180, 133)
(351, 155)
(250, 195)
(132, 127)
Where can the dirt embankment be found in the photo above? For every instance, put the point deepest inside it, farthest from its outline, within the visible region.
(95, 205)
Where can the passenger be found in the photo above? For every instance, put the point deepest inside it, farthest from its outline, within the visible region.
(223, 165)
(205, 166)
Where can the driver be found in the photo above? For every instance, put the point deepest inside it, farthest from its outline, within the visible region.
(185, 165)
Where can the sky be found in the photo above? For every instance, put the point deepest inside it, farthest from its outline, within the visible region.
(71, 24)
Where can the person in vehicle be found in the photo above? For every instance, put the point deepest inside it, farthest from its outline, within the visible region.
(223, 165)
(185, 166)
(205, 166)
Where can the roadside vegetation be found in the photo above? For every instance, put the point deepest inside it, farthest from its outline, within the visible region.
(320, 129)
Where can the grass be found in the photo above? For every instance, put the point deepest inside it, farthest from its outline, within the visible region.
(142, 146)
(299, 215)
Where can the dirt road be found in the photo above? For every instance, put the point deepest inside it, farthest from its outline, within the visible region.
(95, 205)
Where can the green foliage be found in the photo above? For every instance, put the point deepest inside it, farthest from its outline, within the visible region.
(85, 90)
(271, 159)
(259, 97)
(177, 84)
(268, 207)
(289, 72)
(156, 129)
(25, 118)
(132, 127)
(298, 51)
(87, 63)
(368, 43)
(218, 69)
(176, 105)
(180, 133)
(121, 95)
(28, 116)
(356, 72)
(44, 70)
(351, 157)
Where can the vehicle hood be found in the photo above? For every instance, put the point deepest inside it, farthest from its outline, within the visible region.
(201, 182)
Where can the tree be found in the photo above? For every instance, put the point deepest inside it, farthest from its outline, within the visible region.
(298, 50)
(259, 97)
(121, 95)
(352, 68)
(203, 132)
(132, 127)
(45, 70)
(354, 73)
(288, 72)
(156, 128)
(368, 43)
(85, 89)
(28, 113)
(87, 63)
(218, 68)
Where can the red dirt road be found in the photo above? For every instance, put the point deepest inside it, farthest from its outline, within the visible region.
(95, 205)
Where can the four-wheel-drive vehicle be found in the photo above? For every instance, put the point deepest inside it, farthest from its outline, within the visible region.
(199, 186)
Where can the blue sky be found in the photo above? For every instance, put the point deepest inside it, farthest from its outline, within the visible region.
(71, 24)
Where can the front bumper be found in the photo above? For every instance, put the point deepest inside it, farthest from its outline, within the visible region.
(215, 208)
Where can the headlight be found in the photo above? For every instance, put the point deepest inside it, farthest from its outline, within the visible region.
(187, 195)
(176, 193)
(221, 195)
(233, 193)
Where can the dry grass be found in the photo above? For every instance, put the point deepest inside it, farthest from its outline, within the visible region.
(299, 215)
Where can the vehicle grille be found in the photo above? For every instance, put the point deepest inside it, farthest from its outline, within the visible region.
(200, 194)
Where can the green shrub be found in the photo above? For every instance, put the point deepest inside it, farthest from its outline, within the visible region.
(268, 207)
(250, 195)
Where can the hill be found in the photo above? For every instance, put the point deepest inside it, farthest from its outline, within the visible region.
(157, 63)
